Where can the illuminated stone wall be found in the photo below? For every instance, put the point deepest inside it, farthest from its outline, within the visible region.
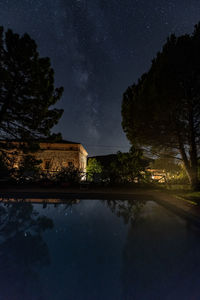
(54, 156)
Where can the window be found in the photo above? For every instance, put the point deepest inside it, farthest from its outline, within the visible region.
(47, 164)
(70, 164)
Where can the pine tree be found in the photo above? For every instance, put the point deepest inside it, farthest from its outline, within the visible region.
(163, 109)
(26, 90)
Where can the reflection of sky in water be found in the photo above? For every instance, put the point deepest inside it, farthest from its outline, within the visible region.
(95, 256)
(88, 242)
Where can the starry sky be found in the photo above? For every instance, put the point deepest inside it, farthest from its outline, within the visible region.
(97, 49)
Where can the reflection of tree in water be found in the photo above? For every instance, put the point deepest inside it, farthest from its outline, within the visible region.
(158, 258)
(132, 213)
(70, 203)
(22, 251)
(129, 210)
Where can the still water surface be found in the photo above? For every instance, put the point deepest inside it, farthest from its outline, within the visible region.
(97, 250)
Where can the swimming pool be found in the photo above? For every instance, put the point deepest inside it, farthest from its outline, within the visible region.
(95, 250)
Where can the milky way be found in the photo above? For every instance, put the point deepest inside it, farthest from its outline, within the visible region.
(97, 49)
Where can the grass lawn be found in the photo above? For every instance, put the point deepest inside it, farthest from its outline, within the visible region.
(185, 192)
(191, 196)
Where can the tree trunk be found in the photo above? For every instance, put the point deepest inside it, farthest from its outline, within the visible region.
(194, 181)
(192, 173)
(191, 166)
(190, 160)
(192, 148)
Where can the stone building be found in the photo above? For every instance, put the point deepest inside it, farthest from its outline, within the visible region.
(54, 155)
(57, 155)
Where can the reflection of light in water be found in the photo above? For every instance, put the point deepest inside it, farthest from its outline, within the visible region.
(35, 200)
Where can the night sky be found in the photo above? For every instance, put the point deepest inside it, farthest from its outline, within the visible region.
(97, 49)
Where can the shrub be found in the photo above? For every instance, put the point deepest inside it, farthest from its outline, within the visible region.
(69, 175)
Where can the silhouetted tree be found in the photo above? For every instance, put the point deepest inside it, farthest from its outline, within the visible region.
(26, 89)
(28, 168)
(126, 167)
(163, 109)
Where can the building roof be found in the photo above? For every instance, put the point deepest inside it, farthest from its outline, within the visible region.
(47, 141)
(42, 141)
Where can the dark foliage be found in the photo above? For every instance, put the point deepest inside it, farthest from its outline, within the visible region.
(128, 167)
(26, 89)
(28, 170)
(122, 167)
(69, 175)
(163, 109)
